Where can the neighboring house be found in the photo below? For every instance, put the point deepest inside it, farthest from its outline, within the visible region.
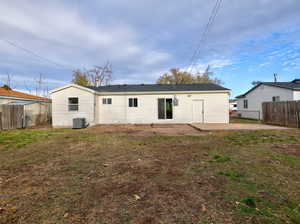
(232, 106)
(250, 103)
(140, 104)
(8, 96)
(36, 109)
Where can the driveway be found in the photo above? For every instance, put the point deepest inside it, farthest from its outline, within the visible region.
(236, 126)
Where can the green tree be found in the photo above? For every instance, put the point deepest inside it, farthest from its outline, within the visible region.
(80, 78)
(175, 76)
(7, 87)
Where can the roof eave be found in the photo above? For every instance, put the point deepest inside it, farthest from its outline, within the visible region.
(25, 99)
(161, 92)
(282, 87)
(72, 85)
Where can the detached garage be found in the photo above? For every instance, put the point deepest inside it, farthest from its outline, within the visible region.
(140, 104)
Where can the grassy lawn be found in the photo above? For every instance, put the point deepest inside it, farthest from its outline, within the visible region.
(94, 176)
(244, 120)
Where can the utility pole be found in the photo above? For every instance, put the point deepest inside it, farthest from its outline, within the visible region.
(275, 77)
(39, 83)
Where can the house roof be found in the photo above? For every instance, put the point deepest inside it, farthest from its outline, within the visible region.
(293, 85)
(15, 94)
(159, 87)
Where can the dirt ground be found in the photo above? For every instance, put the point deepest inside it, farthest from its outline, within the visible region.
(150, 130)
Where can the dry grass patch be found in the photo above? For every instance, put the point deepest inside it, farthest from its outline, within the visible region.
(103, 175)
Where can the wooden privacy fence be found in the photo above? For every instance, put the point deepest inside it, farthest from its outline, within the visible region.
(11, 116)
(285, 113)
(21, 116)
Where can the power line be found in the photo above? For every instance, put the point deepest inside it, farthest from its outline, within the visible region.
(204, 34)
(208, 26)
(34, 54)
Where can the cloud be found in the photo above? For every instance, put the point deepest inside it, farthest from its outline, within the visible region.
(220, 63)
(264, 64)
(155, 57)
(142, 38)
(214, 65)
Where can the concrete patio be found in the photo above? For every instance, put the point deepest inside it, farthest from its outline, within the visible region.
(235, 127)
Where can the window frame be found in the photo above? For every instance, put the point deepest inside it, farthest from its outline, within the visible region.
(70, 104)
(245, 102)
(133, 102)
(166, 102)
(106, 101)
(275, 98)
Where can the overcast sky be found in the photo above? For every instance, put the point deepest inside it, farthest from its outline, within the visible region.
(250, 39)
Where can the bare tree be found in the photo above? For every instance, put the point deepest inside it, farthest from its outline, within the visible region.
(100, 75)
(97, 76)
(207, 71)
(206, 77)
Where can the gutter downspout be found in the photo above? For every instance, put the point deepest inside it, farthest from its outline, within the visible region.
(24, 117)
(95, 109)
(125, 103)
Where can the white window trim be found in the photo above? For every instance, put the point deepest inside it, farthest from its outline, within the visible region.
(274, 98)
(165, 100)
(73, 104)
(137, 102)
(245, 104)
(105, 101)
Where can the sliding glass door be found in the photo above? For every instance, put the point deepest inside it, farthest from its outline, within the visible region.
(165, 108)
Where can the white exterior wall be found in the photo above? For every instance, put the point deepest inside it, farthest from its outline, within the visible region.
(216, 108)
(259, 95)
(5, 101)
(296, 95)
(62, 117)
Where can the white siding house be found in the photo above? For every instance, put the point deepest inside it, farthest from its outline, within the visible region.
(250, 104)
(140, 104)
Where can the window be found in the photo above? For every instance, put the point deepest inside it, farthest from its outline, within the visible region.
(276, 98)
(165, 108)
(133, 102)
(106, 101)
(245, 104)
(73, 104)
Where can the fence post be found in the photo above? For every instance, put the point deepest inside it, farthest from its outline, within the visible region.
(298, 113)
(285, 113)
(0, 120)
(263, 111)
